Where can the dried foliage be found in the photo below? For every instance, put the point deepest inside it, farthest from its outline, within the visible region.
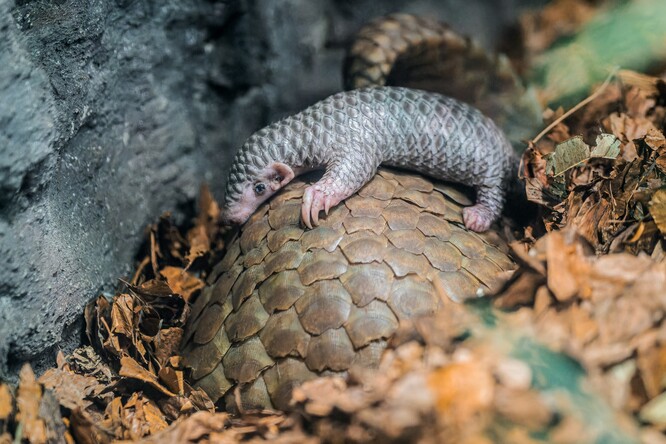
(610, 192)
(605, 311)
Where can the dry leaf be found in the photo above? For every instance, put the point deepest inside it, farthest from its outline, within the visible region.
(181, 281)
(658, 209)
(73, 391)
(193, 429)
(652, 366)
(462, 390)
(199, 244)
(28, 400)
(6, 402)
(567, 155)
(525, 407)
(86, 430)
(131, 369)
(167, 344)
(654, 412)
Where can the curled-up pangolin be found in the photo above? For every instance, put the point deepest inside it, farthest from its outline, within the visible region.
(288, 302)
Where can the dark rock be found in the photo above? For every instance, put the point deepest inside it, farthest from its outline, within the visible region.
(114, 112)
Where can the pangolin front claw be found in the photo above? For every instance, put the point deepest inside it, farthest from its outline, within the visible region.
(315, 200)
(328, 203)
(307, 206)
(317, 206)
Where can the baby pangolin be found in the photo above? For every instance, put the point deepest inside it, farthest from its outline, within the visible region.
(351, 133)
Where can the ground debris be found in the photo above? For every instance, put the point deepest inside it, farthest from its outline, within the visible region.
(610, 192)
(605, 311)
(129, 383)
(31, 413)
(490, 386)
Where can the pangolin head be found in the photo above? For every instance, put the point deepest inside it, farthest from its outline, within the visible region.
(255, 175)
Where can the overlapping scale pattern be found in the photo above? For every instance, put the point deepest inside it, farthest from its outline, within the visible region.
(288, 304)
(423, 53)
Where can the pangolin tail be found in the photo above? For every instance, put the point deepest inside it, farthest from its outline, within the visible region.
(422, 53)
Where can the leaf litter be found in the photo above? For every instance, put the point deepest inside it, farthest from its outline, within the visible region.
(571, 349)
(607, 180)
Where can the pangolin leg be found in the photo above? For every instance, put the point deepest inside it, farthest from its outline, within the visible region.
(343, 177)
(480, 216)
(322, 195)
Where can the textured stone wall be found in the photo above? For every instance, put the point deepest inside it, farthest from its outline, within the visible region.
(114, 111)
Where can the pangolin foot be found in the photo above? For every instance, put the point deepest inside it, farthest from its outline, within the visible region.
(317, 198)
(477, 217)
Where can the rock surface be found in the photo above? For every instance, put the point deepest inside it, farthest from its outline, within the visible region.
(112, 112)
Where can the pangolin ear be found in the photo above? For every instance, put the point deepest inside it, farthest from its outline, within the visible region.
(284, 171)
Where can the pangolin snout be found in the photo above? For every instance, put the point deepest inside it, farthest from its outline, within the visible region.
(232, 216)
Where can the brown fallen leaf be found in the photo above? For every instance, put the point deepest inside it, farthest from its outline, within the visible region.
(199, 244)
(124, 328)
(193, 429)
(6, 403)
(131, 369)
(73, 391)
(28, 400)
(206, 228)
(658, 209)
(463, 390)
(173, 379)
(146, 413)
(323, 395)
(181, 281)
(86, 430)
(564, 266)
(559, 18)
(651, 364)
(85, 361)
(525, 407)
(167, 343)
(136, 418)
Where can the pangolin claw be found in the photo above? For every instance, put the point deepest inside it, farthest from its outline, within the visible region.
(315, 200)
(306, 207)
(327, 204)
(316, 207)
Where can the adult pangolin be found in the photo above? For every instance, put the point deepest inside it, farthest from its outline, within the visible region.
(351, 133)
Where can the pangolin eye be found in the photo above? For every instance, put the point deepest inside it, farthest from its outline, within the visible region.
(259, 188)
(277, 178)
